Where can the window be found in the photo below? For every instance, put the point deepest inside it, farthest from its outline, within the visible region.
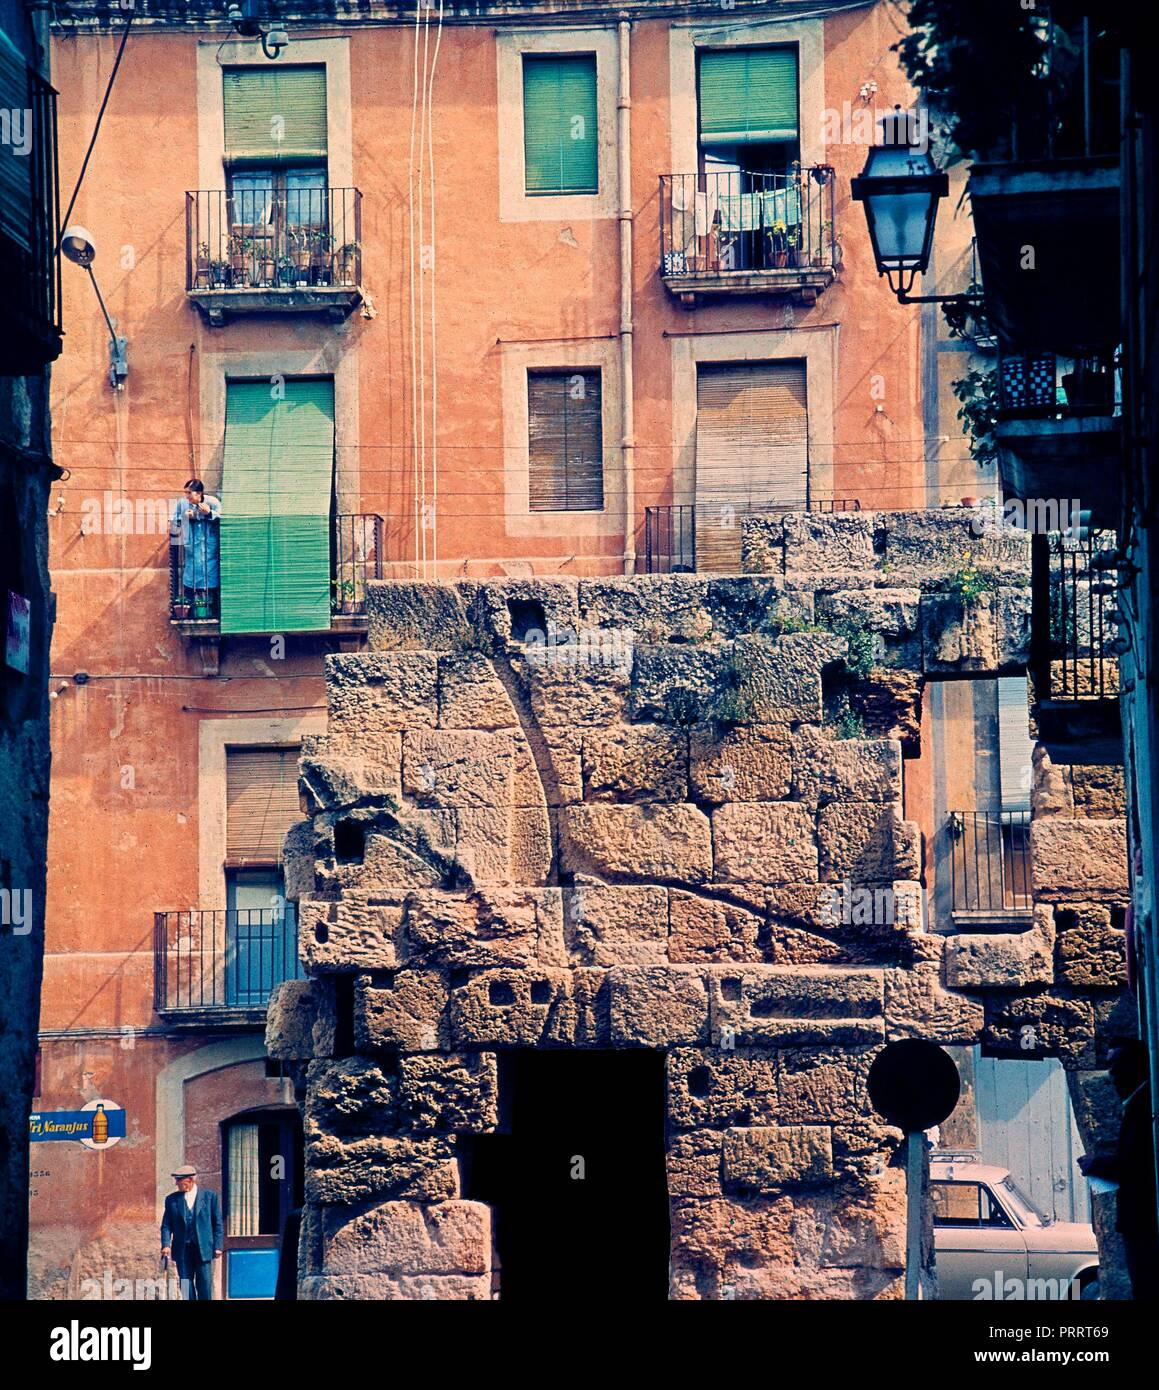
(752, 454)
(277, 486)
(560, 123)
(961, 1205)
(261, 800)
(565, 441)
(749, 108)
(275, 155)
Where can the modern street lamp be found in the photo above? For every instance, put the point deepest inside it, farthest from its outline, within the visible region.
(901, 187)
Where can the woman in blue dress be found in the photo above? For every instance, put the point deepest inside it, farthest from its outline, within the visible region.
(195, 519)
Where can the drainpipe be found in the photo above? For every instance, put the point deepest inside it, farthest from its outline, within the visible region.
(627, 326)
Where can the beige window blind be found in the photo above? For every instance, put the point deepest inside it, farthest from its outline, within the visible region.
(261, 792)
(752, 428)
(565, 441)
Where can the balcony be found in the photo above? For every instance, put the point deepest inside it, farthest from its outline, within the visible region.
(990, 875)
(216, 968)
(1075, 674)
(273, 251)
(671, 535)
(748, 234)
(30, 329)
(356, 549)
(1058, 429)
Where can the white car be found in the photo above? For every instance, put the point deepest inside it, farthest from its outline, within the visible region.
(992, 1242)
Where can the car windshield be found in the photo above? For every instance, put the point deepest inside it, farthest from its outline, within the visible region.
(1027, 1213)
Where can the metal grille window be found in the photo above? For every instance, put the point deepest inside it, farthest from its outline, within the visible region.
(565, 441)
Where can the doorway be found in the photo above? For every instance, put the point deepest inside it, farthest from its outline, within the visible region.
(576, 1176)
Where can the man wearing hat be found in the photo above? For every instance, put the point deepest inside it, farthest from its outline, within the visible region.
(191, 1231)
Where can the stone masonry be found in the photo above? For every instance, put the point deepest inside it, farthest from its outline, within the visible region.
(630, 813)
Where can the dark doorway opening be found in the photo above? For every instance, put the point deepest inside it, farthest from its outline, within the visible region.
(576, 1176)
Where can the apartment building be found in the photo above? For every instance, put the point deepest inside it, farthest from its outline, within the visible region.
(545, 289)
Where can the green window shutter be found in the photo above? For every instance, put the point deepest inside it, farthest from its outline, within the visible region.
(16, 206)
(275, 507)
(560, 124)
(275, 114)
(565, 442)
(748, 96)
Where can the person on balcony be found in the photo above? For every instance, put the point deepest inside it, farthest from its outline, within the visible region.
(194, 527)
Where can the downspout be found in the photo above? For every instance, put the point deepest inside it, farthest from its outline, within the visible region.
(627, 326)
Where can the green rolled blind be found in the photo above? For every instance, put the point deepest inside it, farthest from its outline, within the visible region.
(748, 96)
(275, 114)
(560, 124)
(275, 507)
(16, 159)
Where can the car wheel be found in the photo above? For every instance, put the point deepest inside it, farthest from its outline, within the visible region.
(1090, 1288)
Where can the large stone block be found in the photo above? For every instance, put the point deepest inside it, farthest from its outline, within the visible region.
(614, 925)
(768, 1158)
(329, 783)
(395, 1288)
(635, 762)
(653, 606)
(822, 1085)
(454, 768)
(854, 769)
(926, 548)
(1041, 1025)
(524, 1008)
(890, 612)
(415, 613)
(771, 1006)
(718, 1087)
(344, 1172)
(656, 1007)
(471, 695)
(567, 692)
(1090, 953)
(1078, 858)
(298, 1021)
(704, 929)
(492, 928)
(764, 842)
(407, 1014)
(455, 1094)
(917, 1006)
(1006, 960)
(863, 842)
(824, 549)
(351, 934)
(350, 1096)
(745, 764)
(642, 842)
(369, 694)
(959, 634)
(408, 1238)
(779, 681)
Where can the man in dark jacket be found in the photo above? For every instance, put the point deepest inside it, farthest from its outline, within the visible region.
(191, 1231)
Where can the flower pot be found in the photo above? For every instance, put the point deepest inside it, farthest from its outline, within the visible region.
(269, 272)
(180, 611)
(780, 259)
(969, 501)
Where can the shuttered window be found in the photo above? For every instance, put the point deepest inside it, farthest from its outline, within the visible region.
(752, 454)
(565, 441)
(16, 208)
(748, 96)
(275, 114)
(1015, 746)
(261, 799)
(560, 124)
(277, 483)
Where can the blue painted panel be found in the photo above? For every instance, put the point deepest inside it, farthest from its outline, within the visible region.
(252, 1273)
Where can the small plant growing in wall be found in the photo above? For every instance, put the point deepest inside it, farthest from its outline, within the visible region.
(969, 584)
(845, 722)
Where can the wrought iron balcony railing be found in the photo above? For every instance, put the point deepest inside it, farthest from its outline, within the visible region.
(990, 862)
(356, 555)
(1076, 661)
(217, 961)
(273, 239)
(1042, 385)
(671, 533)
(730, 223)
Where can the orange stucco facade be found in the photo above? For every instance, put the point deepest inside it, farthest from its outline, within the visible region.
(129, 804)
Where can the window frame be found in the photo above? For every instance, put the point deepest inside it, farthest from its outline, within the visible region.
(534, 59)
(564, 373)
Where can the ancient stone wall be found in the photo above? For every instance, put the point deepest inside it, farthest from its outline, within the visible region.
(646, 813)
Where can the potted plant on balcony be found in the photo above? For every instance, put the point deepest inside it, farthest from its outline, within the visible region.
(344, 595)
(201, 603)
(239, 260)
(792, 246)
(267, 267)
(321, 257)
(286, 272)
(203, 273)
(180, 610)
(346, 263)
(780, 234)
(300, 255)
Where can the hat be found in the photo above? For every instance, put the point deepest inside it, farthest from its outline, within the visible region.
(187, 1170)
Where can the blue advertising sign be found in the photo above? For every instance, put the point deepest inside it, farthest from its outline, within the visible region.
(98, 1126)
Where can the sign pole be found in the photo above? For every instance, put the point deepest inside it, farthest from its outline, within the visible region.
(913, 1213)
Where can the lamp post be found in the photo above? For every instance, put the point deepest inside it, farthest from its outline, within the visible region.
(246, 18)
(77, 246)
(901, 187)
